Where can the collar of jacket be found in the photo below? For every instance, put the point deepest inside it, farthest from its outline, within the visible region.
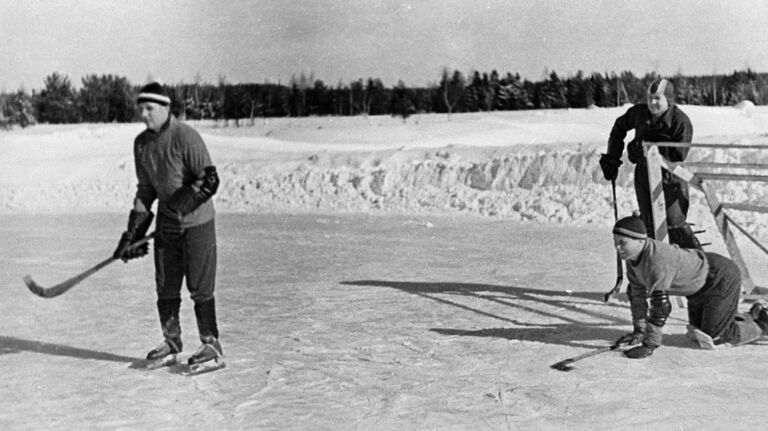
(666, 117)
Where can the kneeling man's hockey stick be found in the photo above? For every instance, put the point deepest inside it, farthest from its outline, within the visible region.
(567, 364)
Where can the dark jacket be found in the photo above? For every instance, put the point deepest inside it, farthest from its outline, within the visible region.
(673, 126)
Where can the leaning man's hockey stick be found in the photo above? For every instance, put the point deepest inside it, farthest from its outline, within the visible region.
(619, 265)
(53, 291)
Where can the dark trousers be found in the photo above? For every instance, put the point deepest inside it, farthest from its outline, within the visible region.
(676, 198)
(191, 256)
(713, 308)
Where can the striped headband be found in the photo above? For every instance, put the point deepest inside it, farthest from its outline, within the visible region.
(153, 92)
(152, 97)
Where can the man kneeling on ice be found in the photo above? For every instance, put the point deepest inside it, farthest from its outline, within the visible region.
(710, 282)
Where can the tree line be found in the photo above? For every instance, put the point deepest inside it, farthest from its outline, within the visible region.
(111, 98)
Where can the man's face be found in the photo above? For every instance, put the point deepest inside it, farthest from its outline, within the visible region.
(154, 115)
(628, 248)
(658, 104)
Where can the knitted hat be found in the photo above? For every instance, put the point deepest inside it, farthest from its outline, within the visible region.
(153, 92)
(662, 87)
(631, 226)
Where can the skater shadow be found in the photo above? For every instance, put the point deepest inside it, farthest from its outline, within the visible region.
(511, 296)
(565, 334)
(10, 345)
(568, 311)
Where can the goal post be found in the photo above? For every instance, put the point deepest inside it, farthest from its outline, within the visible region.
(701, 180)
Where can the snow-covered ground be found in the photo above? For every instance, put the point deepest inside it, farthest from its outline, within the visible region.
(374, 274)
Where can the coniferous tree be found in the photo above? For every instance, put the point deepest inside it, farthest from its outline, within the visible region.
(56, 102)
(487, 94)
(106, 98)
(494, 88)
(356, 97)
(472, 95)
(550, 93)
(578, 92)
(601, 90)
(402, 101)
(452, 88)
(512, 94)
(16, 109)
(376, 100)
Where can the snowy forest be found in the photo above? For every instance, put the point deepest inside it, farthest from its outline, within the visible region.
(110, 98)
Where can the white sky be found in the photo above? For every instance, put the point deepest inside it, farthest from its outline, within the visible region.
(254, 41)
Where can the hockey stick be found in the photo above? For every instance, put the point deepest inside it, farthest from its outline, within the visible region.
(565, 364)
(50, 292)
(619, 265)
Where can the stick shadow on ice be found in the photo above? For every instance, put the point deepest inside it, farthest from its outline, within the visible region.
(10, 345)
(574, 319)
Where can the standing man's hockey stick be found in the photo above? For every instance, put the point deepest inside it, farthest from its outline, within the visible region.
(619, 265)
(50, 292)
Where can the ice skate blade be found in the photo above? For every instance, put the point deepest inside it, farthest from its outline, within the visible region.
(166, 361)
(204, 367)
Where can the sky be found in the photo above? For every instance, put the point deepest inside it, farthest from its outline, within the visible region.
(336, 41)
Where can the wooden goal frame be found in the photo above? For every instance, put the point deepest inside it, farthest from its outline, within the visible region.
(696, 176)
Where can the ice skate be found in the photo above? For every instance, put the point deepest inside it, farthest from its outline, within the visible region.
(208, 357)
(164, 355)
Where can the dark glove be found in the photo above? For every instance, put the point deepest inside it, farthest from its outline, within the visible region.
(210, 183)
(138, 224)
(635, 151)
(630, 339)
(639, 352)
(185, 200)
(610, 166)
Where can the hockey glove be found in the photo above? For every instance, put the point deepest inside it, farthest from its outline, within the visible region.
(610, 167)
(630, 339)
(210, 183)
(186, 199)
(138, 224)
(635, 151)
(639, 352)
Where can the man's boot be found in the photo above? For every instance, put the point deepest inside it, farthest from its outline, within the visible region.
(167, 352)
(759, 312)
(749, 328)
(684, 237)
(209, 356)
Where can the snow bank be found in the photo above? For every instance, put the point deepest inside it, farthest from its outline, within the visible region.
(540, 166)
(553, 186)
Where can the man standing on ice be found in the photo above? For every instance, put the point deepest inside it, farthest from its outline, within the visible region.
(710, 282)
(658, 120)
(173, 167)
